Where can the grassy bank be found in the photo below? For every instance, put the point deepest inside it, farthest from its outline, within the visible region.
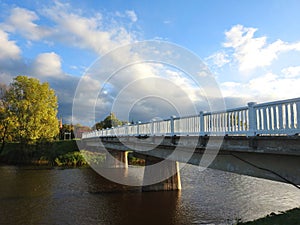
(59, 153)
(290, 217)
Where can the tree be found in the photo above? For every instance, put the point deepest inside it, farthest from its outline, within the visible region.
(6, 120)
(110, 121)
(33, 107)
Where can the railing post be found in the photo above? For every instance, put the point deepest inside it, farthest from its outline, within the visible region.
(152, 127)
(138, 128)
(201, 121)
(172, 126)
(298, 114)
(252, 119)
(126, 129)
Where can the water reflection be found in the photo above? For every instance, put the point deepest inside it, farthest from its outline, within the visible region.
(22, 192)
(81, 196)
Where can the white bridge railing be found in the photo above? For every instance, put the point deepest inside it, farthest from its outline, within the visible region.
(272, 118)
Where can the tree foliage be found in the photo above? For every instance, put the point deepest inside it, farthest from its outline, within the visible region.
(31, 107)
(110, 121)
(6, 119)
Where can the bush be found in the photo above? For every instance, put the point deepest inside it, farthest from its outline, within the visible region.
(71, 159)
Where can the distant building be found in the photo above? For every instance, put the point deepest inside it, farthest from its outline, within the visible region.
(81, 129)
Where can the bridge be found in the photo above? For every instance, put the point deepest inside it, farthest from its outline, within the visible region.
(260, 140)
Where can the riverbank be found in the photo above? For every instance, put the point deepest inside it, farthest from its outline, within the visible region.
(50, 154)
(58, 153)
(290, 217)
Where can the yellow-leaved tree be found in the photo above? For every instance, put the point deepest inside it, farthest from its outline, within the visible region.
(32, 109)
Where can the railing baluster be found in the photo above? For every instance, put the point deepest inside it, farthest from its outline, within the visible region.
(280, 113)
(226, 122)
(260, 113)
(276, 118)
(238, 121)
(292, 115)
(286, 116)
(264, 118)
(298, 114)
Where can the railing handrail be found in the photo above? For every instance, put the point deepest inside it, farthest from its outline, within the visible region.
(226, 111)
(279, 102)
(251, 120)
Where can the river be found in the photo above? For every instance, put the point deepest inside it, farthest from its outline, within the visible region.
(81, 196)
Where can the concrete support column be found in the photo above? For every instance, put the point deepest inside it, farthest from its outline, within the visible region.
(116, 159)
(167, 168)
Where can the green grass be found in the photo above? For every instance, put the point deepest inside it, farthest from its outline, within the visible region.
(71, 159)
(58, 153)
(290, 217)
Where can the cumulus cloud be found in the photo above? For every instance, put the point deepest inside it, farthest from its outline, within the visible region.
(8, 49)
(47, 65)
(275, 86)
(134, 78)
(252, 74)
(267, 87)
(248, 51)
(253, 52)
(22, 21)
(70, 27)
(91, 32)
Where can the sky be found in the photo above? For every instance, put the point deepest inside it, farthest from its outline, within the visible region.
(251, 48)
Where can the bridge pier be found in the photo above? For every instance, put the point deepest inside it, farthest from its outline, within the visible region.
(165, 169)
(116, 159)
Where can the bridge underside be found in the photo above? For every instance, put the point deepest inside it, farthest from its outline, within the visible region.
(269, 157)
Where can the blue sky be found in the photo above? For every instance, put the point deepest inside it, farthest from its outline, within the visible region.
(251, 47)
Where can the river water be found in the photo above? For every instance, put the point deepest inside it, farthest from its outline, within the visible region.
(81, 196)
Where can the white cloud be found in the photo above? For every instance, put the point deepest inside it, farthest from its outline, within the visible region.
(22, 21)
(8, 49)
(252, 52)
(91, 32)
(219, 59)
(230, 89)
(47, 65)
(264, 85)
(292, 71)
(267, 87)
(275, 86)
(70, 27)
(132, 15)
